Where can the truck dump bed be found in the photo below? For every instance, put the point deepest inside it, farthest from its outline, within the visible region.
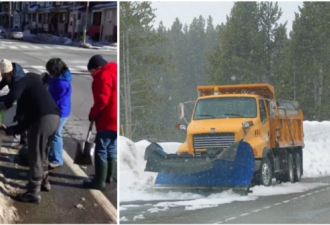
(287, 127)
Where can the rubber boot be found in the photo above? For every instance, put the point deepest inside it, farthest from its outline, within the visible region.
(33, 193)
(112, 170)
(45, 185)
(101, 169)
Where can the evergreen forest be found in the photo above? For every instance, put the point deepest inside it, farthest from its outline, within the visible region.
(160, 67)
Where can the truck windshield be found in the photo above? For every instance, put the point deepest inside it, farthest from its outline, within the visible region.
(226, 107)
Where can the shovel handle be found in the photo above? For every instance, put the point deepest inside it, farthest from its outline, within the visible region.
(90, 130)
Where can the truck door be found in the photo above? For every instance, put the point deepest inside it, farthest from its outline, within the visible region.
(264, 122)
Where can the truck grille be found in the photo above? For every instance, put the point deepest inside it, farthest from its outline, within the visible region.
(217, 140)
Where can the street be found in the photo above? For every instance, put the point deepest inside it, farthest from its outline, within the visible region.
(61, 204)
(311, 206)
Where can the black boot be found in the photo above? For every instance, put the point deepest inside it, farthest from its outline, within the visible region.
(33, 193)
(112, 170)
(45, 185)
(101, 169)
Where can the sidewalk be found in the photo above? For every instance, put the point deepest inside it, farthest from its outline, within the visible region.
(51, 39)
(67, 202)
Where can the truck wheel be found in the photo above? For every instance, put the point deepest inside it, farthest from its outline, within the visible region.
(266, 173)
(298, 169)
(290, 173)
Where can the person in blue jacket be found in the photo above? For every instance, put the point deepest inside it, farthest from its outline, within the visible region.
(59, 86)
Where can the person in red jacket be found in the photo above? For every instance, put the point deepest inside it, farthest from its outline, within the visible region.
(104, 113)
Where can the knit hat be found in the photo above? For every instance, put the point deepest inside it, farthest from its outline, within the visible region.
(6, 66)
(95, 62)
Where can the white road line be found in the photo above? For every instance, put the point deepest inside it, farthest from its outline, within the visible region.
(286, 201)
(301, 196)
(59, 47)
(24, 46)
(48, 47)
(257, 210)
(244, 214)
(278, 203)
(35, 47)
(295, 198)
(12, 47)
(41, 69)
(98, 195)
(309, 193)
(84, 68)
(25, 71)
(267, 207)
(232, 218)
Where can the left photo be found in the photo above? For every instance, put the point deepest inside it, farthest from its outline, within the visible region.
(58, 112)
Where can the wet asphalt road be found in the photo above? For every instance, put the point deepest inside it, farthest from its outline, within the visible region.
(312, 206)
(59, 205)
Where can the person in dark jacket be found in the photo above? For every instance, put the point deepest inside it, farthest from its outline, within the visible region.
(18, 73)
(104, 113)
(41, 119)
(59, 86)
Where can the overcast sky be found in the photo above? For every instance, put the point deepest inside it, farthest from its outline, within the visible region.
(186, 11)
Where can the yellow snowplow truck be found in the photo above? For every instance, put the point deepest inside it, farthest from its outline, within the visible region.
(237, 134)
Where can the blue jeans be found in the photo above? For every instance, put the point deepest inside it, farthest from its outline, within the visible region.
(105, 145)
(56, 147)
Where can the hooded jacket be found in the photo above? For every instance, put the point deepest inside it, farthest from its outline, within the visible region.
(104, 87)
(60, 89)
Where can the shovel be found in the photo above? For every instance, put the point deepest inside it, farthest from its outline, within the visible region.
(85, 150)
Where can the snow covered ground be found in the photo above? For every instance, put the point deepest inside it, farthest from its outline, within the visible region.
(135, 184)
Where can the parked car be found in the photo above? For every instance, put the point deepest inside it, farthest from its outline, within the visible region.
(14, 33)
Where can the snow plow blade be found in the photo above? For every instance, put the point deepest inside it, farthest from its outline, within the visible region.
(233, 168)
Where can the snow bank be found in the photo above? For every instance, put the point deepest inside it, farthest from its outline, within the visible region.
(8, 213)
(316, 154)
(135, 184)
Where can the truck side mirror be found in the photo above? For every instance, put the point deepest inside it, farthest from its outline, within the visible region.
(181, 111)
(272, 109)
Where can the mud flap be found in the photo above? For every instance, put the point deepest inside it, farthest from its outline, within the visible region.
(234, 167)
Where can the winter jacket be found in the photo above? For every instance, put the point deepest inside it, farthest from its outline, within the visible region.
(33, 101)
(104, 87)
(18, 73)
(60, 89)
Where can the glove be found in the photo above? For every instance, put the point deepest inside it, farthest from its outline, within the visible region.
(2, 106)
(90, 119)
(10, 131)
(6, 130)
(45, 78)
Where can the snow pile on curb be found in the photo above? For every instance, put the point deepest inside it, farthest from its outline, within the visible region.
(28, 34)
(135, 184)
(8, 213)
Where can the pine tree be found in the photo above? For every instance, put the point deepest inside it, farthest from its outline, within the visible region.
(310, 52)
(139, 95)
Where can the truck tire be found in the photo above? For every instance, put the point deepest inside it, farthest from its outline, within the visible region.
(266, 173)
(298, 168)
(290, 172)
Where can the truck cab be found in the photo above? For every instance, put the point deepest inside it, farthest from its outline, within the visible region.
(226, 114)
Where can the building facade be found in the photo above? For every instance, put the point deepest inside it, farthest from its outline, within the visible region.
(62, 18)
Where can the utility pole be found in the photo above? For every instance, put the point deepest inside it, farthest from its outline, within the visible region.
(86, 21)
(73, 20)
(10, 15)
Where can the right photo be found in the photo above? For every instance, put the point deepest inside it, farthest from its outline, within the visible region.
(224, 112)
